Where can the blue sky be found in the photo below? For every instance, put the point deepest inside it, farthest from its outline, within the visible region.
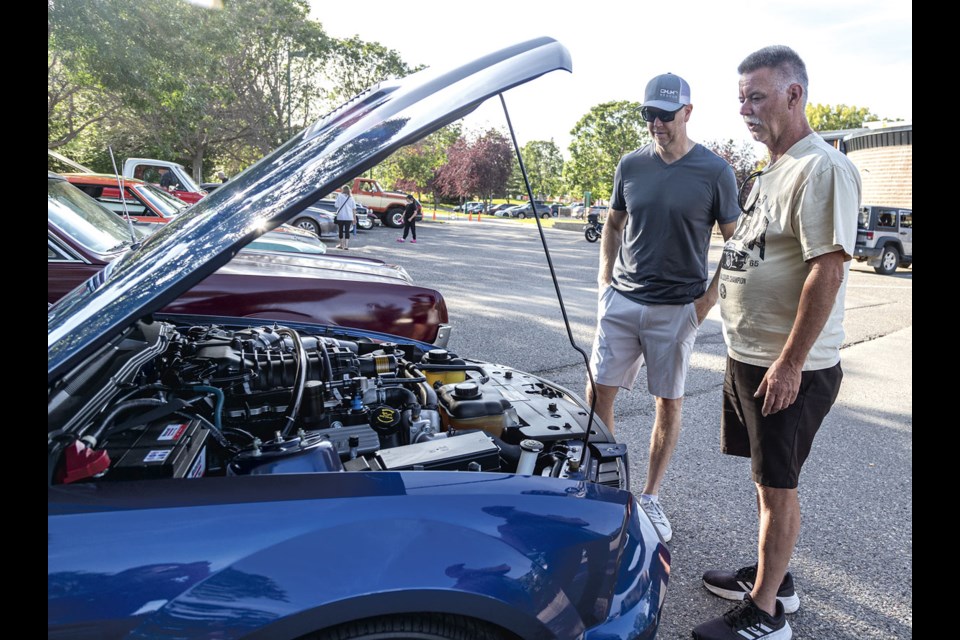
(857, 53)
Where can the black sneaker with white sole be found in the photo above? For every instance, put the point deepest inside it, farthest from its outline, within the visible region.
(746, 621)
(735, 585)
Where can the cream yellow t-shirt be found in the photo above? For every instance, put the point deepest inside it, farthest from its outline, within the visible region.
(802, 206)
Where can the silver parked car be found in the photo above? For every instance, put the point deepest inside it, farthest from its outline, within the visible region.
(319, 218)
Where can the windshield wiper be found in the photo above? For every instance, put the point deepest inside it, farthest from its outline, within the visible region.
(126, 244)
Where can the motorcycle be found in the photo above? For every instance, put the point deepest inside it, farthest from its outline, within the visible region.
(594, 228)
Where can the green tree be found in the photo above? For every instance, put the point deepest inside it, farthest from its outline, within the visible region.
(414, 167)
(544, 165)
(75, 106)
(515, 186)
(355, 65)
(197, 79)
(825, 117)
(599, 140)
(198, 84)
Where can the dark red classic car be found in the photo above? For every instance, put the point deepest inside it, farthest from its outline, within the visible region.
(83, 238)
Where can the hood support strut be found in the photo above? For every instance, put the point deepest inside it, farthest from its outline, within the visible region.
(556, 285)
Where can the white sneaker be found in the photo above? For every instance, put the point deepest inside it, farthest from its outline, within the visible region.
(655, 512)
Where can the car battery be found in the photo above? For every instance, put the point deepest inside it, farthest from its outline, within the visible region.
(451, 453)
(168, 448)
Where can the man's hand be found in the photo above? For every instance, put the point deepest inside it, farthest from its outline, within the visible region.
(779, 387)
(703, 304)
(781, 384)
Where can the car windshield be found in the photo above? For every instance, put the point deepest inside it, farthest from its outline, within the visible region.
(187, 181)
(166, 204)
(84, 219)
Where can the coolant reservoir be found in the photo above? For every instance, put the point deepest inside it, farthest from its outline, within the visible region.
(463, 406)
(442, 357)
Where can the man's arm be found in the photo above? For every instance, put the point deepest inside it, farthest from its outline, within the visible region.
(704, 303)
(610, 245)
(781, 383)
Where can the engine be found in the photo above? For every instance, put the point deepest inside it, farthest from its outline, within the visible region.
(192, 401)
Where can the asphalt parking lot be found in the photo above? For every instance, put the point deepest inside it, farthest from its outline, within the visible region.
(853, 561)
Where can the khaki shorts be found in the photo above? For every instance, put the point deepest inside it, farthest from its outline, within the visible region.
(629, 333)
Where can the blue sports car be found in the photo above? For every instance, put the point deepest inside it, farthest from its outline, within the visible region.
(215, 477)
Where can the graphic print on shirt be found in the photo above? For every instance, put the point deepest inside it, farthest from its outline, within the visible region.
(747, 246)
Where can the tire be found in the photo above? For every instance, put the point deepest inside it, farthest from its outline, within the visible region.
(421, 626)
(889, 260)
(308, 224)
(394, 217)
(591, 234)
(546, 215)
(365, 223)
(521, 215)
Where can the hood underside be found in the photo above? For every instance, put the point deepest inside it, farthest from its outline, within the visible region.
(336, 148)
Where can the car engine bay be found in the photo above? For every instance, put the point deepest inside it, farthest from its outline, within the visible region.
(169, 400)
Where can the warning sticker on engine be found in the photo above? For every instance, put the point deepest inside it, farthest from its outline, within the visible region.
(199, 466)
(172, 432)
(157, 455)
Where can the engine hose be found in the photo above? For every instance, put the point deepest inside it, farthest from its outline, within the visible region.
(509, 452)
(403, 381)
(105, 424)
(398, 397)
(218, 407)
(215, 433)
(297, 394)
(327, 375)
(429, 395)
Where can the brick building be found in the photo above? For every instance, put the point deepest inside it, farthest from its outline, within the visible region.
(885, 158)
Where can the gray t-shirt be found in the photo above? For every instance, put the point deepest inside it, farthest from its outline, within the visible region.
(671, 210)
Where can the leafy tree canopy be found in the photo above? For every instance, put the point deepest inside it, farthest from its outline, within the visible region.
(600, 139)
(825, 117)
(544, 165)
(480, 167)
(741, 157)
(209, 88)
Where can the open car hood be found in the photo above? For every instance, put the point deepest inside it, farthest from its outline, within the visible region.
(316, 161)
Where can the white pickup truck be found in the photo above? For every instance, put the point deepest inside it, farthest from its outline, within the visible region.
(148, 170)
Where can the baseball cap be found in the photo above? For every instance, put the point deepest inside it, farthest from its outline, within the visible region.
(668, 92)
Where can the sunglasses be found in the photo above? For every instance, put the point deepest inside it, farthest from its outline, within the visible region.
(650, 114)
(743, 185)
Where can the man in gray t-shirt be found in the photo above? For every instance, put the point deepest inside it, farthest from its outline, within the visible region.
(667, 197)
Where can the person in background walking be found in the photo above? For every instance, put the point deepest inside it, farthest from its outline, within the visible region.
(409, 220)
(346, 208)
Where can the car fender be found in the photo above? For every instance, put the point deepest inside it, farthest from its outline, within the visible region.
(891, 241)
(479, 587)
(285, 549)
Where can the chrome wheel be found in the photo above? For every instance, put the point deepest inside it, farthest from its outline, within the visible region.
(308, 225)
